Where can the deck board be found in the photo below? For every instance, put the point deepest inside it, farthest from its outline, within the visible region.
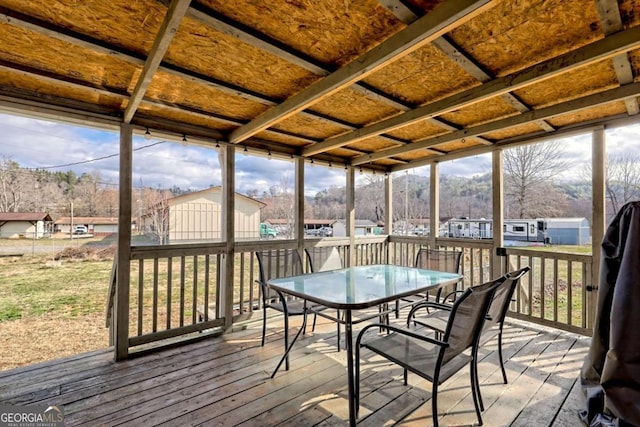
(226, 381)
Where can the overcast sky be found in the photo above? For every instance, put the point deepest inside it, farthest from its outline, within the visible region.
(59, 147)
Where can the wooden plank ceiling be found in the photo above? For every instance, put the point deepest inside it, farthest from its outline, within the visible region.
(383, 84)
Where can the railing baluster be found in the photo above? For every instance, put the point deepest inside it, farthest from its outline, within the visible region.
(140, 294)
(570, 292)
(182, 290)
(584, 296)
(194, 292)
(207, 266)
(542, 285)
(218, 281)
(531, 273)
(556, 295)
(169, 284)
(154, 321)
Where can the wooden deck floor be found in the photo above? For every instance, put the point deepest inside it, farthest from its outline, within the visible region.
(224, 381)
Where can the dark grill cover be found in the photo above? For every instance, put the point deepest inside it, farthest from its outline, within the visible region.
(611, 372)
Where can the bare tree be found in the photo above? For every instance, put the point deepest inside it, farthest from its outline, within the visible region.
(528, 167)
(156, 217)
(623, 179)
(13, 184)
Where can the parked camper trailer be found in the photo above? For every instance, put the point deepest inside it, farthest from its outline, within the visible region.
(556, 231)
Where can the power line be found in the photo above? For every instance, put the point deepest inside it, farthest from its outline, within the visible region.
(97, 158)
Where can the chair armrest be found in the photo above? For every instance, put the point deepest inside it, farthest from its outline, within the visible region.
(401, 331)
(427, 305)
(451, 294)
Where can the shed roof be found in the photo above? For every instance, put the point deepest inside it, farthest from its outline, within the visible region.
(387, 84)
(24, 216)
(216, 189)
(95, 220)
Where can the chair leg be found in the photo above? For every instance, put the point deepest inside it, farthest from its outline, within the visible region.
(286, 339)
(315, 317)
(474, 369)
(504, 373)
(405, 376)
(338, 327)
(434, 402)
(264, 324)
(475, 390)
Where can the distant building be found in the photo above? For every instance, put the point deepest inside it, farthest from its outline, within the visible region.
(23, 225)
(197, 216)
(363, 227)
(96, 225)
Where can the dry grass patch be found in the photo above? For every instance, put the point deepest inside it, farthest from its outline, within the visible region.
(48, 312)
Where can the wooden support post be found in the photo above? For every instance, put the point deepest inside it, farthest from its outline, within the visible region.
(388, 213)
(299, 204)
(351, 214)
(434, 204)
(228, 225)
(599, 217)
(121, 324)
(498, 214)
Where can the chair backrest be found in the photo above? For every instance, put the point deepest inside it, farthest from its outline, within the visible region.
(324, 258)
(441, 260)
(502, 297)
(467, 318)
(279, 263)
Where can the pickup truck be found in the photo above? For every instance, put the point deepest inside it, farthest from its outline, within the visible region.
(267, 232)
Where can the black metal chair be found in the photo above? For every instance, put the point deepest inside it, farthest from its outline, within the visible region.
(274, 264)
(325, 259)
(441, 260)
(436, 259)
(436, 360)
(494, 322)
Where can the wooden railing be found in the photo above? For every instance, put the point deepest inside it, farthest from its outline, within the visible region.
(556, 290)
(177, 290)
(476, 263)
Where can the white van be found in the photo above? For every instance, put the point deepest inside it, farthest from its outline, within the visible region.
(80, 229)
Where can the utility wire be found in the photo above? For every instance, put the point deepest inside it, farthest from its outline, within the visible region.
(98, 158)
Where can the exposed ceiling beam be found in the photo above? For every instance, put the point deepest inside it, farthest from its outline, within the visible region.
(444, 18)
(616, 94)
(602, 49)
(611, 22)
(612, 122)
(459, 56)
(168, 28)
(63, 34)
(250, 36)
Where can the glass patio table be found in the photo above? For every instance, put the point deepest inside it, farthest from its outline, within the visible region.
(357, 288)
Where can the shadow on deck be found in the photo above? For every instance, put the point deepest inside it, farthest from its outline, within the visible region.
(224, 381)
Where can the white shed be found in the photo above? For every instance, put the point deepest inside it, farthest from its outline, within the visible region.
(29, 225)
(197, 216)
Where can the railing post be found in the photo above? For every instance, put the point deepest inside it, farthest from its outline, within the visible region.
(498, 268)
(388, 213)
(351, 214)
(228, 164)
(121, 324)
(599, 215)
(299, 204)
(434, 204)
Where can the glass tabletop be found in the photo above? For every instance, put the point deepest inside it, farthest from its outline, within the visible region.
(362, 286)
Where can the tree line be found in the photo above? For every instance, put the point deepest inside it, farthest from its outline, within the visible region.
(532, 190)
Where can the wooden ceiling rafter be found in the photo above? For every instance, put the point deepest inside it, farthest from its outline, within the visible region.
(611, 22)
(444, 18)
(59, 33)
(459, 57)
(261, 41)
(605, 48)
(617, 94)
(176, 11)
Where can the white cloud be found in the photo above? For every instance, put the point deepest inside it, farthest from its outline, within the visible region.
(38, 143)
